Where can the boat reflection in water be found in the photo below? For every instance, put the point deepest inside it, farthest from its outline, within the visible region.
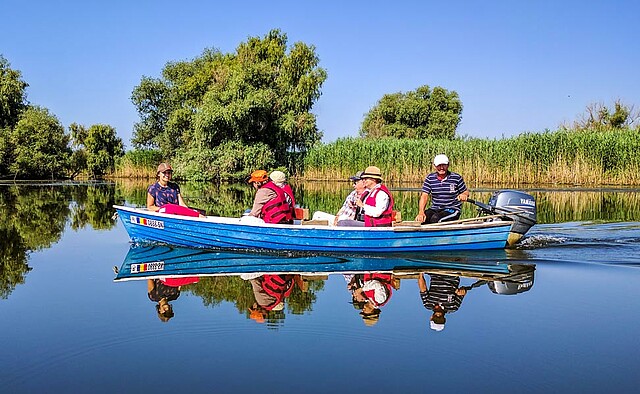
(262, 285)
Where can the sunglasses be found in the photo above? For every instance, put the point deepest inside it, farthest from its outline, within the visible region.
(168, 172)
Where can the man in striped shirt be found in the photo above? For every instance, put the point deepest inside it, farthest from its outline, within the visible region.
(443, 296)
(447, 190)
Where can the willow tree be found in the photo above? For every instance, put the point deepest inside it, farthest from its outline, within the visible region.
(422, 113)
(260, 94)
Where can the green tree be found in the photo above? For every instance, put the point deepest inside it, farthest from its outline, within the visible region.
(13, 252)
(93, 206)
(103, 147)
(78, 158)
(259, 94)
(229, 161)
(599, 117)
(13, 260)
(423, 113)
(12, 94)
(6, 150)
(41, 147)
(40, 214)
(96, 149)
(77, 162)
(78, 135)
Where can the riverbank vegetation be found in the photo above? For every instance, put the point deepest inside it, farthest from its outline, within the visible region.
(591, 156)
(597, 149)
(404, 131)
(220, 116)
(35, 145)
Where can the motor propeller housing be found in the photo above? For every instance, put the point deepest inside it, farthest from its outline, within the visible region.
(515, 205)
(520, 207)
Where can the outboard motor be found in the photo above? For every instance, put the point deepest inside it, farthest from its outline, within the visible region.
(515, 284)
(518, 281)
(515, 205)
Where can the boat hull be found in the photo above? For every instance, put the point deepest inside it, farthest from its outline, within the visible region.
(230, 233)
(150, 261)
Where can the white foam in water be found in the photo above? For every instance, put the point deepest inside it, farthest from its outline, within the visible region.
(540, 240)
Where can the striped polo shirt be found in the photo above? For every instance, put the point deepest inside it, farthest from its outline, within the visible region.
(442, 291)
(444, 192)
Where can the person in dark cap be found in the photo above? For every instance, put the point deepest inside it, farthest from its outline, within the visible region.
(350, 212)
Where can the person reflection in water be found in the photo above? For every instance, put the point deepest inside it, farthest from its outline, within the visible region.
(164, 290)
(369, 292)
(443, 296)
(270, 292)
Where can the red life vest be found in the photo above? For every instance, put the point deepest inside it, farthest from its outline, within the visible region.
(277, 209)
(385, 280)
(292, 201)
(175, 282)
(176, 209)
(385, 219)
(278, 287)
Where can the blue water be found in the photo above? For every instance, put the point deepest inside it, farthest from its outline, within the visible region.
(71, 328)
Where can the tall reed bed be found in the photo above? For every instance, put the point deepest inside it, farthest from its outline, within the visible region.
(561, 157)
(140, 164)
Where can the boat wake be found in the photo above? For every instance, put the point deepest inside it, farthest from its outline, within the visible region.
(540, 241)
(585, 242)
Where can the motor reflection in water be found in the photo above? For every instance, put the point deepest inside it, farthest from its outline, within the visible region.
(265, 286)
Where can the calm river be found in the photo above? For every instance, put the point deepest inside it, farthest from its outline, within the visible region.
(560, 313)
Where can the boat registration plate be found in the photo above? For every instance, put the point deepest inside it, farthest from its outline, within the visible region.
(147, 222)
(147, 267)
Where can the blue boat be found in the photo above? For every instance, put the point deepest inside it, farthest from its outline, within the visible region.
(164, 261)
(231, 233)
(507, 221)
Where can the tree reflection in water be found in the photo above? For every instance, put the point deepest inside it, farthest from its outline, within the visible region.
(33, 217)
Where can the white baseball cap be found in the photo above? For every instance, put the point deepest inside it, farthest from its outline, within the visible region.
(440, 159)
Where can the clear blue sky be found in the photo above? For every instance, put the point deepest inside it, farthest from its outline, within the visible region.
(517, 65)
